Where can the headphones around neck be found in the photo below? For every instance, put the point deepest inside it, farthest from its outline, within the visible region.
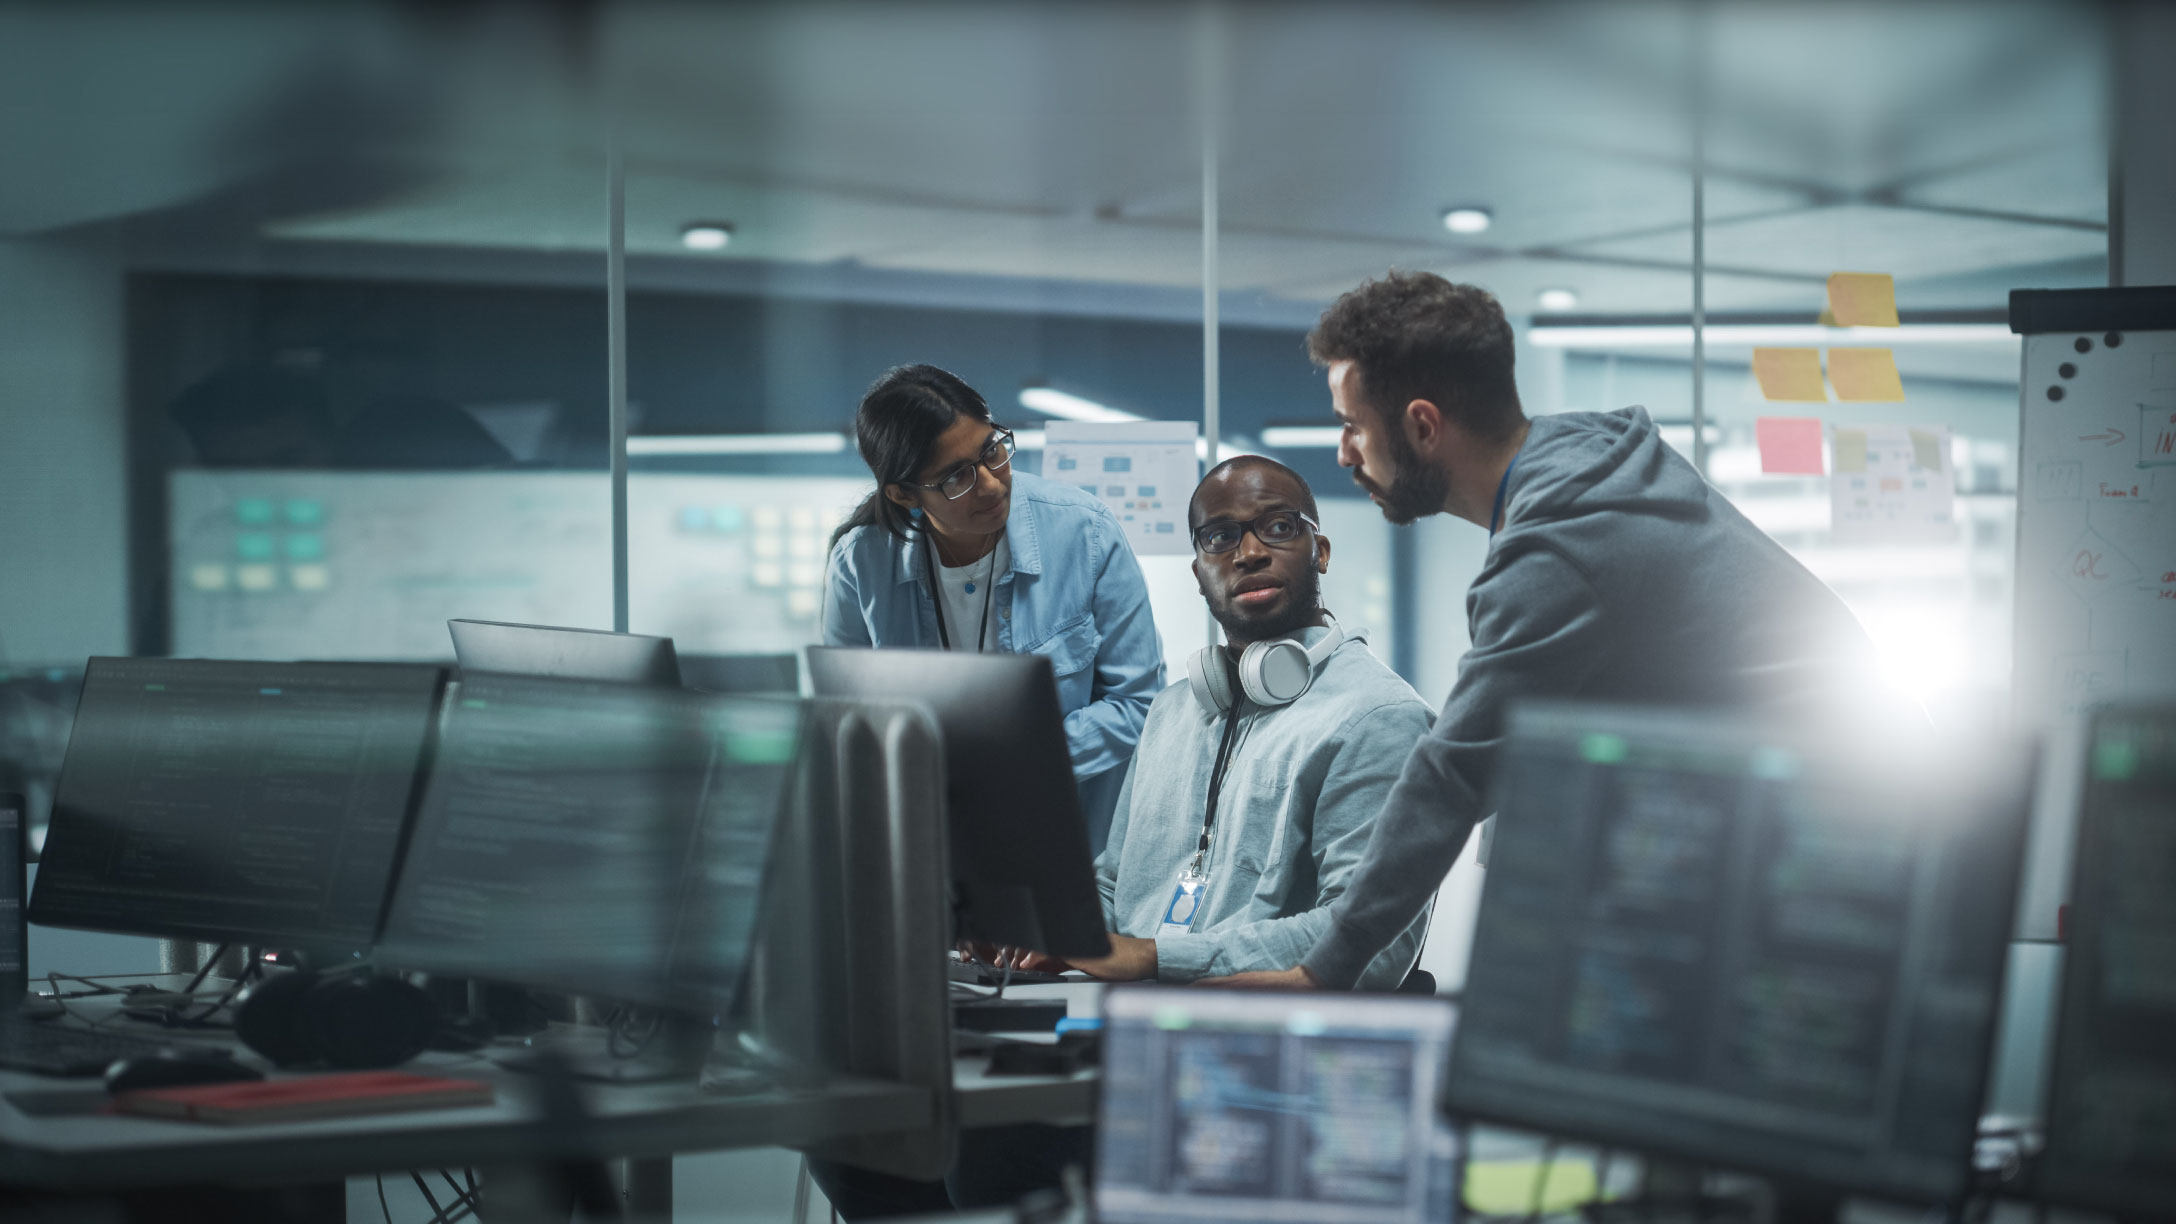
(1273, 673)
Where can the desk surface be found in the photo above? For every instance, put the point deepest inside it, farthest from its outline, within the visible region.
(999, 1100)
(627, 1120)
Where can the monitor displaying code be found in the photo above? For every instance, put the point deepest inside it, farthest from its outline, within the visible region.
(260, 803)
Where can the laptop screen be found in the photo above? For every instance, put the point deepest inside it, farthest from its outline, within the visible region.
(1229, 1105)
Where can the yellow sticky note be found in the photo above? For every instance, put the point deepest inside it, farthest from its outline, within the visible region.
(1927, 449)
(1862, 299)
(1866, 375)
(1506, 1187)
(1789, 374)
(1850, 445)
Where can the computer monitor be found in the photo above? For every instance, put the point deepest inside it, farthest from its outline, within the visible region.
(742, 673)
(1239, 1105)
(594, 838)
(1022, 873)
(255, 803)
(571, 654)
(1752, 950)
(37, 705)
(2111, 1120)
(14, 932)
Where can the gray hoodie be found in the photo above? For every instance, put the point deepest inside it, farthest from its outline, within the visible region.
(1617, 574)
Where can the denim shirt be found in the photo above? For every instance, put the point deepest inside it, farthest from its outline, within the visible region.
(1295, 813)
(1074, 592)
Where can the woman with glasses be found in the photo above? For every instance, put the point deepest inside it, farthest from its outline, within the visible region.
(958, 550)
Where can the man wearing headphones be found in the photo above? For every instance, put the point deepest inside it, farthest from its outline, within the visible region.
(1256, 782)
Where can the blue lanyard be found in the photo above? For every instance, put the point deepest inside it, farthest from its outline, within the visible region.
(1496, 513)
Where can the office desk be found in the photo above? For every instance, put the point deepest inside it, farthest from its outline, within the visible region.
(1001, 1100)
(640, 1121)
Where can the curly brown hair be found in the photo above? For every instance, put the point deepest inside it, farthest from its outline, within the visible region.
(1415, 335)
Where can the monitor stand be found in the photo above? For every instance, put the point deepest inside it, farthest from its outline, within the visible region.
(676, 1052)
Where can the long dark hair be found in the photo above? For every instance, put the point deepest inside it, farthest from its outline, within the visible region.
(901, 417)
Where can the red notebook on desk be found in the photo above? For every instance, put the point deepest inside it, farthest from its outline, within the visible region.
(317, 1096)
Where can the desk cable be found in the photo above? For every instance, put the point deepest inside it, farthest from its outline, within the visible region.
(461, 1206)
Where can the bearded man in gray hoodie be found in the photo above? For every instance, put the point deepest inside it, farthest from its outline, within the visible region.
(1614, 573)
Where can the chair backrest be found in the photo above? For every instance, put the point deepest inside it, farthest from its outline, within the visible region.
(849, 974)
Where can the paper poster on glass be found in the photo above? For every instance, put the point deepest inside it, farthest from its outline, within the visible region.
(1892, 484)
(1143, 470)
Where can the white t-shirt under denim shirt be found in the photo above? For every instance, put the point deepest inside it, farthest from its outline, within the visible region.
(972, 613)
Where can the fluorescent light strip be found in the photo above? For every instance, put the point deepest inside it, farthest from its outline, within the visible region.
(738, 444)
(1052, 402)
(1297, 437)
(1036, 439)
(1749, 334)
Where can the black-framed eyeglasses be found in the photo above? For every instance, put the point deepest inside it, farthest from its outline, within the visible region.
(996, 456)
(1277, 529)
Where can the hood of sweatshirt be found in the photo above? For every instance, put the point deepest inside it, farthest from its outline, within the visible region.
(1580, 463)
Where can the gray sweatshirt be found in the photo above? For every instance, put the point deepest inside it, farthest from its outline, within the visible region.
(1617, 574)
(1300, 794)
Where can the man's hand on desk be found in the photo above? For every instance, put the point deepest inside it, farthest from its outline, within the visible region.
(1013, 958)
(1131, 960)
(1295, 978)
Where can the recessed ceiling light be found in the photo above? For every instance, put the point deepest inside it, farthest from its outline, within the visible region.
(1556, 299)
(1466, 220)
(706, 236)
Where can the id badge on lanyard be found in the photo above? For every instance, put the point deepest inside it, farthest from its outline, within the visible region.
(1186, 897)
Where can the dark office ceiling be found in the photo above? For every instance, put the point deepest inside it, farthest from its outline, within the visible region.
(1958, 146)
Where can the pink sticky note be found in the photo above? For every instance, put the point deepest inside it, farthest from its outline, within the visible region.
(1789, 446)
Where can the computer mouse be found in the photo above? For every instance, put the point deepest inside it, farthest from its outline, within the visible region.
(176, 1068)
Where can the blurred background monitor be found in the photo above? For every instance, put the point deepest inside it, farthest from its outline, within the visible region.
(1753, 951)
(14, 931)
(37, 705)
(1231, 1105)
(594, 838)
(1022, 874)
(254, 803)
(572, 654)
(742, 673)
(2111, 1122)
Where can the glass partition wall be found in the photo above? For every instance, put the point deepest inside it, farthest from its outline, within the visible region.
(317, 317)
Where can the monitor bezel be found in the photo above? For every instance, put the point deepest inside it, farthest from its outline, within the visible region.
(2090, 1192)
(1060, 855)
(658, 658)
(1542, 718)
(318, 944)
(1272, 1001)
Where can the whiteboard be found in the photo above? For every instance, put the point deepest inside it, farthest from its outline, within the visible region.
(2096, 564)
(371, 565)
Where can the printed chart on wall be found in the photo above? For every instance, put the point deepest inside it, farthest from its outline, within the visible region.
(1143, 470)
(1892, 484)
(2096, 610)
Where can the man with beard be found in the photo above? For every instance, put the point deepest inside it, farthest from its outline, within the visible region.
(1257, 780)
(1614, 573)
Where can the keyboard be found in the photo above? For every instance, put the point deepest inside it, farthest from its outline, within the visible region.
(983, 975)
(48, 1049)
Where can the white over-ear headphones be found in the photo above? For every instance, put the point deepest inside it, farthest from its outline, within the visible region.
(1273, 673)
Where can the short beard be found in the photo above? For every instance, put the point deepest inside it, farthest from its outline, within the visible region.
(1419, 488)
(1303, 605)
